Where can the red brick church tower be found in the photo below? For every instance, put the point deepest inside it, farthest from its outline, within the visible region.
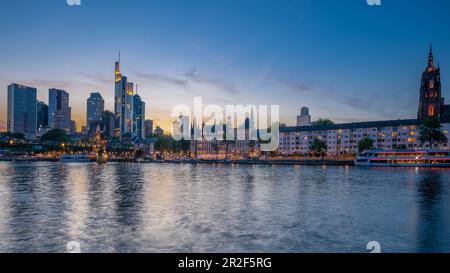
(431, 101)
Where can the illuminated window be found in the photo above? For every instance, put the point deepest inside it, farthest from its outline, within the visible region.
(431, 84)
(431, 110)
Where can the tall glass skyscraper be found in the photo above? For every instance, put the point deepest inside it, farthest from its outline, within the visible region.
(108, 123)
(138, 116)
(95, 108)
(22, 110)
(123, 103)
(42, 115)
(59, 112)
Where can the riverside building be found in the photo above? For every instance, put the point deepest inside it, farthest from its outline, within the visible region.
(391, 134)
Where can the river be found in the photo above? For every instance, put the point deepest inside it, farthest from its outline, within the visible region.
(129, 207)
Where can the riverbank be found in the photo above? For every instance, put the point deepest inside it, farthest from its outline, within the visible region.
(307, 162)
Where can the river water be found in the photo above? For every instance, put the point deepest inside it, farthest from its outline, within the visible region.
(122, 207)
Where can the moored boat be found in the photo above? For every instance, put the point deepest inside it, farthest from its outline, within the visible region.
(77, 158)
(404, 158)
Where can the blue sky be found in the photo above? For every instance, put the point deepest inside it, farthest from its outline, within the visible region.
(346, 60)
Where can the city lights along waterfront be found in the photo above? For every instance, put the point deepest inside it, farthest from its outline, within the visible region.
(126, 135)
(122, 207)
(326, 148)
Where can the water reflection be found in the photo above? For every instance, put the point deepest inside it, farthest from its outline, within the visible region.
(218, 208)
(430, 228)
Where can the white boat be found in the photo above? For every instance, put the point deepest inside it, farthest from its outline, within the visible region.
(404, 158)
(77, 158)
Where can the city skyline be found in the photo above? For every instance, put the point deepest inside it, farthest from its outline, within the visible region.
(370, 73)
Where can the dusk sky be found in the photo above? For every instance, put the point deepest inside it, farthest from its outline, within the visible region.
(345, 60)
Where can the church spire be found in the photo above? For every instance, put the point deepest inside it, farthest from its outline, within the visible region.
(430, 57)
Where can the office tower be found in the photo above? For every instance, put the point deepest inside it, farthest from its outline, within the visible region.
(159, 131)
(22, 110)
(148, 128)
(108, 123)
(42, 115)
(59, 112)
(138, 116)
(95, 108)
(84, 130)
(123, 103)
(304, 119)
(73, 127)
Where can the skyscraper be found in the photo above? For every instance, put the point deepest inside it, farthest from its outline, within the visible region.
(159, 131)
(22, 110)
(148, 128)
(95, 108)
(138, 116)
(42, 115)
(123, 103)
(108, 123)
(59, 112)
(73, 127)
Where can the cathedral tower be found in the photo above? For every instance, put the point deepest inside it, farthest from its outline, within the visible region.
(431, 101)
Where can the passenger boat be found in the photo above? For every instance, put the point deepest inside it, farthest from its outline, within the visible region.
(77, 158)
(404, 158)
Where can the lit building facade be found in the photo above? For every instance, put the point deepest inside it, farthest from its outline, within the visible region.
(394, 134)
(59, 112)
(431, 101)
(42, 115)
(221, 150)
(108, 123)
(148, 128)
(95, 108)
(235, 149)
(138, 116)
(22, 110)
(344, 138)
(123, 103)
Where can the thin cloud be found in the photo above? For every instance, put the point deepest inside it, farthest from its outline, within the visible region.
(362, 101)
(96, 77)
(190, 80)
(220, 84)
(297, 86)
(183, 83)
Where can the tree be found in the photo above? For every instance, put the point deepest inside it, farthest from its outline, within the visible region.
(318, 146)
(20, 136)
(323, 122)
(431, 132)
(56, 135)
(365, 144)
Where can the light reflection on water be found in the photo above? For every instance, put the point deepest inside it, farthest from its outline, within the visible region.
(206, 208)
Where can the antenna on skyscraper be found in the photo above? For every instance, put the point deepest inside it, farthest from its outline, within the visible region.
(136, 89)
(119, 55)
